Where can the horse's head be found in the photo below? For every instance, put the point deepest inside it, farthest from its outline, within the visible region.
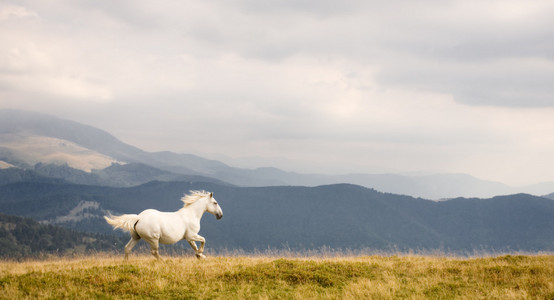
(214, 208)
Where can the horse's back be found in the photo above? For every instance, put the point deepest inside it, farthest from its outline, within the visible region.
(150, 219)
(150, 211)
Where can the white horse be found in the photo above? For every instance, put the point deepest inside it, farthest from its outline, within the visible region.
(169, 227)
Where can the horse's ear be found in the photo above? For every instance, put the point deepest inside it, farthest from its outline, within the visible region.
(211, 195)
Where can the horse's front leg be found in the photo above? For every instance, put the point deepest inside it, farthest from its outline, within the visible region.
(198, 251)
(154, 246)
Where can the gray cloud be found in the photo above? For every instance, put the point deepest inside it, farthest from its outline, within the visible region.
(453, 86)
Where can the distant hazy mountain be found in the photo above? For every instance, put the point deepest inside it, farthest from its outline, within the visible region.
(437, 186)
(21, 125)
(116, 175)
(29, 138)
(336, 216)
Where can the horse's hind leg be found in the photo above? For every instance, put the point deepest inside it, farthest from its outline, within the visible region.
(130, 246)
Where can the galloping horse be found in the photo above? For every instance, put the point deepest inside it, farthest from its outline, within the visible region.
(169, 227)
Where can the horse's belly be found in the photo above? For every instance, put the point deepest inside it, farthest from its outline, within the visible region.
(172, 233)
(170, 239)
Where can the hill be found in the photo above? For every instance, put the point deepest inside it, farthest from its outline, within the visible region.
(28, 139)
(22, 127)
(336, 216)
(375, 277)
(24, 238)
(116, 175)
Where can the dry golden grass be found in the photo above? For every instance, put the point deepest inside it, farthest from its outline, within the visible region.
(372, 277)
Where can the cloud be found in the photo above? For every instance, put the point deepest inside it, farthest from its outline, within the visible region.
(8, 11)
(521, 82)
(455, 47)
(344, 86)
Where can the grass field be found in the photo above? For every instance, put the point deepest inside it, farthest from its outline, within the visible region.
(371, 277)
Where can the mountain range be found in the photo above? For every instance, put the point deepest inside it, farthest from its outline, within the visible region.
(82, 154)
(342, 216)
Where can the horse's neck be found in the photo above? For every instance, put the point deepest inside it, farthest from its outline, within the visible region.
(196, 209)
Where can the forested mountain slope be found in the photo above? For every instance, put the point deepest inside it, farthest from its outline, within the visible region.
(336, 216)
(23, 237)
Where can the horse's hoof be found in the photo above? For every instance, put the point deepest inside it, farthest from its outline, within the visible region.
(200, 256)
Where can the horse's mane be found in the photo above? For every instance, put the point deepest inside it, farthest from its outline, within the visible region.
(193, 196)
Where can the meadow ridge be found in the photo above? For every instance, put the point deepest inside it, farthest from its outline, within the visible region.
(262, 277)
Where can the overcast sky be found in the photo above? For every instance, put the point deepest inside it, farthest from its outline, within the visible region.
(319, 86)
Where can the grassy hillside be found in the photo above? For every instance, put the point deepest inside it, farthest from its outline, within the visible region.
(413, 277)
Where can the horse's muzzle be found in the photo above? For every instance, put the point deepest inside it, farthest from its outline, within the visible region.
(219, 216)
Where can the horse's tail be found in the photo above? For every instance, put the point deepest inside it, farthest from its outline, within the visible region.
(125, 222)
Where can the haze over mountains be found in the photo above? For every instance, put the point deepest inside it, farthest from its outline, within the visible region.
(83, 154)
(64, 173)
